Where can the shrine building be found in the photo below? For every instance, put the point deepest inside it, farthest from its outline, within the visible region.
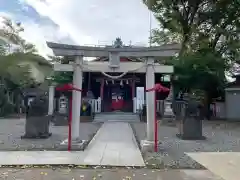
(111, 81)
(107, 94)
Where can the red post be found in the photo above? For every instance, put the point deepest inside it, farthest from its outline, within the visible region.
(70, 125)
(69, 87)
(156, 88)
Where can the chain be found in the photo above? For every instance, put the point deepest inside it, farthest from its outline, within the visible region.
(109, 76)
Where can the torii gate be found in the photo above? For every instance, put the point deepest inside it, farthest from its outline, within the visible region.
(148, 66)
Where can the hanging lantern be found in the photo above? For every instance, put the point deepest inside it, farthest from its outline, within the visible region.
(112, 81)
(106, 82)
(127, 82)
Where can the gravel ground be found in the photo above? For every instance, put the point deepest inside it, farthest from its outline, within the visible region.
(11, 131)
(106, 174)
(221, 136)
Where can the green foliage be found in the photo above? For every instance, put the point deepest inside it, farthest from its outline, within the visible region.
(198, 24)
(15, 71)
(62, 77)
(5, 107)
(200, 71)
(208, 31)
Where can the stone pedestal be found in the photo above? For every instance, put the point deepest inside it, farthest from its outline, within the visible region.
(60, 119)
(190, 123)
(37, 120)
(143, 114)
(76, 145)
(37, 127)
(168, 111)
(86, 119)
(148, 146)
(190, 129)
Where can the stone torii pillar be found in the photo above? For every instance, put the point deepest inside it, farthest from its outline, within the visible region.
(51, 94)
(148, 144)
(76, 100)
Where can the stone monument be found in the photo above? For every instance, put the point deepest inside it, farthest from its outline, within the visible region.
(168, 111)
(190, 120)
(37, 119)
(60, 117)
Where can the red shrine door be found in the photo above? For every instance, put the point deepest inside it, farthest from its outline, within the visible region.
(117, 99)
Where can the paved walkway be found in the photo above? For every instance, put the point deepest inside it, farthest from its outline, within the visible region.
(114, 144)
(222, 164)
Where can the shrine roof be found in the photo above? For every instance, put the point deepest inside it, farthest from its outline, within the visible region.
(53, 45)
(124, 51)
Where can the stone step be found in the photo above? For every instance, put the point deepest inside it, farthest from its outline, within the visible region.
(116, 116)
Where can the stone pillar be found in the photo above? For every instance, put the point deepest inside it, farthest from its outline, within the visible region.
(148, 144)
(51, 94)
(76, 99)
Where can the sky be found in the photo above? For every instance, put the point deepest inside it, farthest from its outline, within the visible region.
(80, 22)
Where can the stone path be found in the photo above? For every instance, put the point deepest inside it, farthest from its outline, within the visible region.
(114, 144)
(223, 164)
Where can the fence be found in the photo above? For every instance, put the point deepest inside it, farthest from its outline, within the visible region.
(138, 105)
(96, 105)
(218, 110)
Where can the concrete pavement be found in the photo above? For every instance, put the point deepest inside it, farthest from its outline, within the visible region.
(106, 174)
(113, 145)
(222, 164)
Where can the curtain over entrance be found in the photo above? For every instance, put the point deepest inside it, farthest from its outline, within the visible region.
(117, 97)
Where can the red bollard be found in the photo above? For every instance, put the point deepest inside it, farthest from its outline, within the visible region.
(69, 87)
(156, 88)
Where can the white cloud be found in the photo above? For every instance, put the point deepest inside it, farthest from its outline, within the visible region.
(38, 34)
(97, 21)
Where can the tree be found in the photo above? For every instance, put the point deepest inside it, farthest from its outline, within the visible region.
(11, 59)
(61, 77)
(208, 31)
(14, 74)
(197, 23)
